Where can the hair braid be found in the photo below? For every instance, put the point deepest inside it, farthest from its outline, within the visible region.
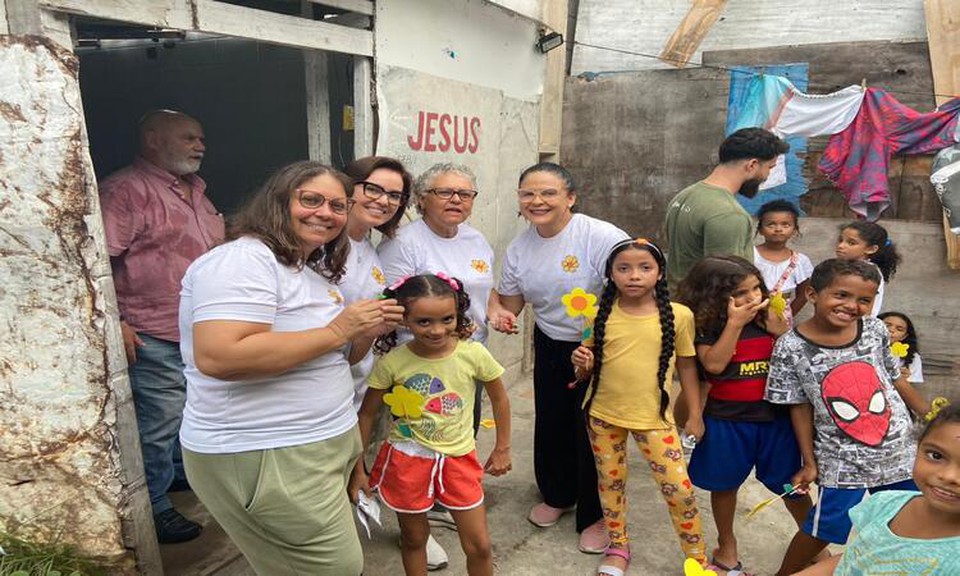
(666, 343)
(599, 328)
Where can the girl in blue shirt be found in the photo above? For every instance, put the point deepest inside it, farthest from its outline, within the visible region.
(902, 532)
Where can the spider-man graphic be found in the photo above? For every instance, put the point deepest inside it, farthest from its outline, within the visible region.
(853, 395)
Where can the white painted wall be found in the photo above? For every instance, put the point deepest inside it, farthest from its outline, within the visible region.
(469, 41)
(645, 25)
(464, 59)
(532, 9)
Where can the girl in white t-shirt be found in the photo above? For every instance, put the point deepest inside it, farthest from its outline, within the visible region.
(785, 271)
(560, 251)
(863, 240)
(902, 331)
(380, 193)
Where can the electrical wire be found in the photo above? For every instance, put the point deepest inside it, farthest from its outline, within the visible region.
(684, 63)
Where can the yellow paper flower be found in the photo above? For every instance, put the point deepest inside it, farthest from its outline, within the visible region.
(480, 266)
(693, 568)
(378, 276)
(899, 349)
(336, 296)
(570, 263)
(404, 403)
(579, 302)
(778, 304)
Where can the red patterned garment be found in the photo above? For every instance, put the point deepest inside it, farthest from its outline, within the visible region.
(856, 159)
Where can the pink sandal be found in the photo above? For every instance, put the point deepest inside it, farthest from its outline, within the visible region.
(607, 569)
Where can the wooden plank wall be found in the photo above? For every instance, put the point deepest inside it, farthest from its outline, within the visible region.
(903, 69)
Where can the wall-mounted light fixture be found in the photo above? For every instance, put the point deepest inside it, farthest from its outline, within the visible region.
(548, 42)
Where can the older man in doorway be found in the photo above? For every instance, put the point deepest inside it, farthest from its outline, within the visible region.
(157, 221)
(705, 219)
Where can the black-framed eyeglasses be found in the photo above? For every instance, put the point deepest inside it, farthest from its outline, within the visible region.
(376, 191)
(311, 200)
(447, 193)
(547, 195)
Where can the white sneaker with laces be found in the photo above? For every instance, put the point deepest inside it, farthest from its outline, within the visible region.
(436, 556)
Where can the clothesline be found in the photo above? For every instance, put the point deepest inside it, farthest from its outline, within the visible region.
(717, 67)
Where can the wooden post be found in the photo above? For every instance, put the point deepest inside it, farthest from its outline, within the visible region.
(943, 37)
(694, 27)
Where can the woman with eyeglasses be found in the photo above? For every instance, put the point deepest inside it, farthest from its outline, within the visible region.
(269, 431)
(560, 251)
(380, 193)
(442, 241)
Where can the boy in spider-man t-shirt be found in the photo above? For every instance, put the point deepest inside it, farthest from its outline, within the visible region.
(838, 375)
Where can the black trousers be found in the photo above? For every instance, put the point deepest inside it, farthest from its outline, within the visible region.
(562, 457)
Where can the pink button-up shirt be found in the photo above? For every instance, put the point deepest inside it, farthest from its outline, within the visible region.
(154, 232)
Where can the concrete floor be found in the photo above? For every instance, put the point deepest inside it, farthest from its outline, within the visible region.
(520, 548)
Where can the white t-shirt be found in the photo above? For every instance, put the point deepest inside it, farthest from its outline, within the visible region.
(772, 271)
(542, 270)
(916, 369)
(878, 301)
(242, 280)
(468, 256)
(363, 280)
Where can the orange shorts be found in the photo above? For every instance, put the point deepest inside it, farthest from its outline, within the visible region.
(410, 480)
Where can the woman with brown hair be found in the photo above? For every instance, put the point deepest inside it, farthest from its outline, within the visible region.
(381, 191)
(269, 431)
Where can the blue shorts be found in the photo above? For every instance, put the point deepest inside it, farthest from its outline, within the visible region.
(729, 450)
(829, 519)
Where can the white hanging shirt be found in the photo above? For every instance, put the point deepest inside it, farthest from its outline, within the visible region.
(800, 114)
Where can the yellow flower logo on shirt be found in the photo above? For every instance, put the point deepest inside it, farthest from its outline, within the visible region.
(570, 263)
(336, 296)
(899, 349)
(404, 402)
(579, 302)
(480, 266)
(378, 276)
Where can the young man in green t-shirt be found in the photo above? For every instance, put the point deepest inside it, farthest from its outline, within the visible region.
(705, 219)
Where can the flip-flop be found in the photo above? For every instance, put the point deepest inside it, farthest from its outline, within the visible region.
(730, 570)
(607, 569)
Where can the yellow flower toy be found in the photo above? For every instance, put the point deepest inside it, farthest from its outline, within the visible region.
(899, 349)
(778, 304)
(579, 302)
(404, 403)
(693, 568)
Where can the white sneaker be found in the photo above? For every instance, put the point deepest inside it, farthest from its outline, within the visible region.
(441, 519)
(436, 556)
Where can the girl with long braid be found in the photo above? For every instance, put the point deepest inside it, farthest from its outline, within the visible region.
(735, 334)
(639, 338)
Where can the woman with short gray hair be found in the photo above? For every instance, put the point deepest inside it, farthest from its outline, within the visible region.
(442, 241)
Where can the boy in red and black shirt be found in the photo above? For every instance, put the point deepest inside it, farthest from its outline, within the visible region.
(743, 431)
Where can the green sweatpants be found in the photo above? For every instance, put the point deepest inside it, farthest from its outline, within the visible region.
(285, 508)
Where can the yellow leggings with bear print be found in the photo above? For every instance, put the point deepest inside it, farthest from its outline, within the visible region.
(664, 455)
